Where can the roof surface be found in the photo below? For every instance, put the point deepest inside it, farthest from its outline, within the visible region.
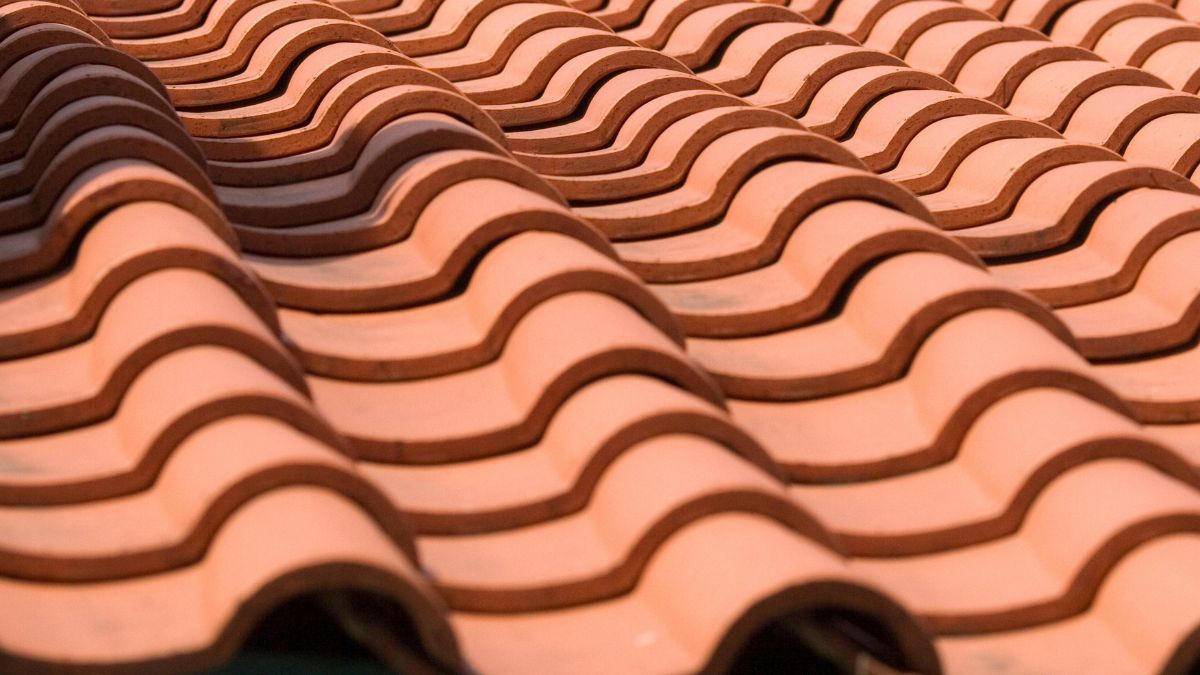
(602, 336)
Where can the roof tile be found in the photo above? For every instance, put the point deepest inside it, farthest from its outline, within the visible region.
(870, 433)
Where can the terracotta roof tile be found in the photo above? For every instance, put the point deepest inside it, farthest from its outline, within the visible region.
(881, 109)
(463, 388)
(1133, 597)
(198, 615)
(685, 606)
(157, 352)
(1043, 430)
(1021, 211)
(575, 288)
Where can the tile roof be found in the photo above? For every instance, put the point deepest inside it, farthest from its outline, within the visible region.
(602, 336)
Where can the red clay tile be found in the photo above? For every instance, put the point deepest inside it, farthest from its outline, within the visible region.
(773, 249)
(513, 399)
(702, 36)
(638, 505)
(447, 236)
(47, 18)
(1012, 452)
(778, 282)
(887, 128)
(1154, 315)
(151, 317)
(727, 202)
(143, 360)
(933, 155)
(683, 150)
(125, 453)
(1020, 204)
(887, 315)
(441, 207)
(1120, 241)
(208, 478)
(197, 616)
(898, 27)
(930, 408)
(64, 310)
(627, 145)
(945, 48)
(755, 50)
(688, 614)
(1052, 572)
(1143, 597)
(511, 280)
(796, 78)
(1047, 217)
(557, 475)
(1053, 93)
(628, 102)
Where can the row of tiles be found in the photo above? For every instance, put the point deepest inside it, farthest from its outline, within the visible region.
(357, 362)
(1067, 88)
(141, 360)
(1109, 251)
(171, 471)
(633, 206)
